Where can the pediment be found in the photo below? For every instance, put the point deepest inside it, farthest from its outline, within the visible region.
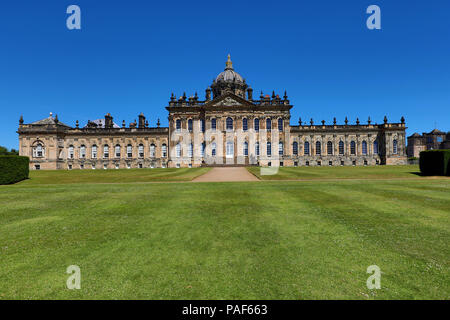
(229, 100)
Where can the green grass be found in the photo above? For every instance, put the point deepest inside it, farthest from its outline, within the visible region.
(327, 172)
(249, 240)
(113, 176)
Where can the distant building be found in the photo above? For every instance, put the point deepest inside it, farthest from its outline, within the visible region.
(229, 127)
(427, 141)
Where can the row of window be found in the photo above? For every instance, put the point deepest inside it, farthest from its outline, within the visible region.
(38, 151)
(329, 150)
(318, 149)
(117, 151)
(230, 125)
(105, 166)
(229, 149)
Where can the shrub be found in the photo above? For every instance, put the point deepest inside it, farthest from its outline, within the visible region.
(13, 169)
(435, 162)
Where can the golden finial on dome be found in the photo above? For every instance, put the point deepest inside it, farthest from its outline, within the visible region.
(229, 64)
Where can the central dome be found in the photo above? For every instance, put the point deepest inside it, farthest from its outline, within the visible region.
(229, 81)
(229, 75)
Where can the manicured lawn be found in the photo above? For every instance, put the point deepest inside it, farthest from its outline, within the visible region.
(113, 176)
(349, 172)
(277, 240)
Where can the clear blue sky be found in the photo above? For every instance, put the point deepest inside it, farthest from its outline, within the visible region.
(130, 55)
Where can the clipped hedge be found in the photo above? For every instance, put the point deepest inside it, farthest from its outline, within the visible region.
(13, 169)
(435, 163)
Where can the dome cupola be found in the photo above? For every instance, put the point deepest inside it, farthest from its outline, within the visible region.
(229, 80)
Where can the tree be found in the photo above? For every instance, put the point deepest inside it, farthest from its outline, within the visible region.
(4, 152)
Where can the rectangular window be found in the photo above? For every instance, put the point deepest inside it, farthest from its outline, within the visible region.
(82, 152)
(202, 125)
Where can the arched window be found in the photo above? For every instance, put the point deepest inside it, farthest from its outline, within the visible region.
(94, 152)
(202, 125)
(341, 147)
(375, 147)
(152, 150)
(105, 151)
(280, 148)
(229, 123)
(295, 148)
(178, 149)
(141, 150)
(230, 149)
(352, 147)
(38, 151)
(191, 150)
(71, 151)
(244, 124)
(394, 147)
(268, 124)
(329, 148)
(164, 150)
(245, 148)
(203, 149)
(257, 125)
(364, 148)
(318, 148)
(213, 149)
(257, 148)
(306, 151)
(117, 151)
(178, 124)
(280, 124)
(269, 149)
(83, 151)
(129, 151)
(190, 125)
(213, 124)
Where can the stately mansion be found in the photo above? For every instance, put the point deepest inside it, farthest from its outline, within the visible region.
(230, 127)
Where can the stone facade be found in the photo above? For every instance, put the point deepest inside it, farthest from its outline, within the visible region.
(427, 141)
(229, 127)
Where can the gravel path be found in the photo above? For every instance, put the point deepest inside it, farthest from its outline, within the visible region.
(226, 174)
